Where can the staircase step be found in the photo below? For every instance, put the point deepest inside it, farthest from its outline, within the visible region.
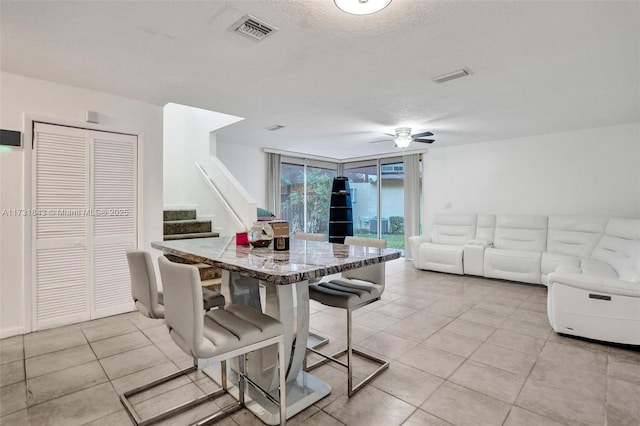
(172, 227)
(180, 215)
(190, 236)
(207, 272)
(213, 285)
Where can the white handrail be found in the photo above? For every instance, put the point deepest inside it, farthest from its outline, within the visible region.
(227, 206)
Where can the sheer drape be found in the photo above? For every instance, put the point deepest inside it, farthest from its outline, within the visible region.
(411, 200)
(273, 183)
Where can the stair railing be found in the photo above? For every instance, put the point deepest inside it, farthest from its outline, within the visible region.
(240, 225)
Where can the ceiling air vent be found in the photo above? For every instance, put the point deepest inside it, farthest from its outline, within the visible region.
(253, 28)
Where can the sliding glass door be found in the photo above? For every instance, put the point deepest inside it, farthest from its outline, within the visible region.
(292, 195)
(319, 182)
(306, 194)
(377, 195)
(392, 203)
(363, 181)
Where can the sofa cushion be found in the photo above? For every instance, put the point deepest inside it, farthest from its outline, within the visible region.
(629, 229)
(453, 229)
(596, 284)
(521, 232)
(551, 261)
(514, 265)
(574, 236)
(486, 227)
(441, 257)
(619, 244)
(629, 273)
(598, 268)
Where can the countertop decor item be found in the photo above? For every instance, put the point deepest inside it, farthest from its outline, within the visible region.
(261, 234)
(280, 235)
(242, 238)
(340, 213)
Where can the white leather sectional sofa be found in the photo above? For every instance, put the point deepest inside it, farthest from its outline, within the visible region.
(442, 250)
(590, 264)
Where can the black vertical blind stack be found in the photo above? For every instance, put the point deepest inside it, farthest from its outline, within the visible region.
(340, 211)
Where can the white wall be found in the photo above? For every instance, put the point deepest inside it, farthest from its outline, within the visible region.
(587, 172)
(188, 139)
(249, 165)
(22, 95)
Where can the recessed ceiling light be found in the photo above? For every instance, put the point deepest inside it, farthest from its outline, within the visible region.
(361, 7)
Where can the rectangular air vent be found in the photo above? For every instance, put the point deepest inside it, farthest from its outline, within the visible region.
(253, 28)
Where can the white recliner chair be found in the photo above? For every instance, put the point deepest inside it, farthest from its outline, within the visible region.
(570, 239)
(517, 248)
(443, 249)
(600, 298)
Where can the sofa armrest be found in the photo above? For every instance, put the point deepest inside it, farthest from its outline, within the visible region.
(419, 239)
(473, 257)
(567, 267)
(595, 283)
(415, 242)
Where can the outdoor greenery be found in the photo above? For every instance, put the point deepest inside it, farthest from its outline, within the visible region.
(396, 225)
(319, 183)
(393, 241)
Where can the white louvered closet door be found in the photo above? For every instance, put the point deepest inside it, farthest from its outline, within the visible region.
(114, 224)
(61, 228)
(85, 191)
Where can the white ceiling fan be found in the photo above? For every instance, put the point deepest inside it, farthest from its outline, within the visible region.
(403, 137)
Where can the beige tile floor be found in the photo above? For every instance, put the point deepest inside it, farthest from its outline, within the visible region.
(463, 351)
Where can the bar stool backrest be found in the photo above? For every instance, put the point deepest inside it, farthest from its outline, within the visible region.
(144, 288)
(373, 274)
(309, 236)
(183, 308)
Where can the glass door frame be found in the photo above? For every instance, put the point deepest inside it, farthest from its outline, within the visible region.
(306, 163)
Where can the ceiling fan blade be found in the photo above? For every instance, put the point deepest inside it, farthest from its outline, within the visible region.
(389, 134)
(425, 140)
(420, 135)
(383, 140)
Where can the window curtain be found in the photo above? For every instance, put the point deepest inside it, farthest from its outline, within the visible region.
(411, 200)
(273, 183)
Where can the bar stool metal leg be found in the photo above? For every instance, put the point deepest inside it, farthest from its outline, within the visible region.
(350, 351)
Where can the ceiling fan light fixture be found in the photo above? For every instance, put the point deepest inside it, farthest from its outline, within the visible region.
(403, 141)
(361, 7)
(403, 137)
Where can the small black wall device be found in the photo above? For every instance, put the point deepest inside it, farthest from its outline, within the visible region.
(10, 138)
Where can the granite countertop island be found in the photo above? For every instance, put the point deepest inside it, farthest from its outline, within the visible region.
(303, 261)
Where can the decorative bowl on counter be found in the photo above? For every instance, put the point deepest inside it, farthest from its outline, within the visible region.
(261, 234)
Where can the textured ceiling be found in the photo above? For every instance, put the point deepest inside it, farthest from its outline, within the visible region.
(337, 81)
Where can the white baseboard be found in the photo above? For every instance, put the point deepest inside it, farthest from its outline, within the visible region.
(12, 331)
